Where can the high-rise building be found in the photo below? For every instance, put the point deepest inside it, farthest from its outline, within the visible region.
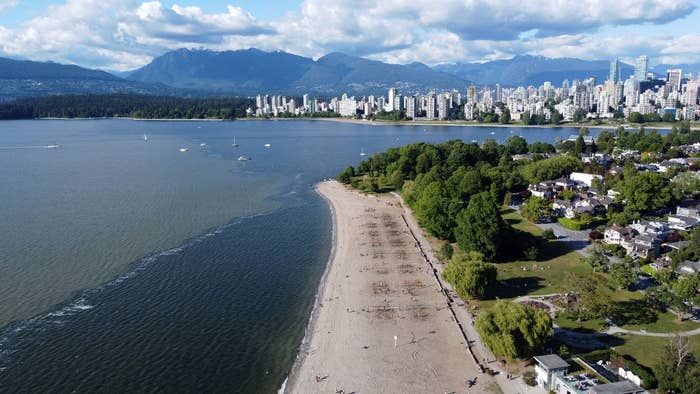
(430, 107)
(390, 101)
(673, 80)
(443, 103)
(347, 106)
(471, 94)
(291, 108)
(306, 100)
(640, 69)
(614, 71)
(410, 107)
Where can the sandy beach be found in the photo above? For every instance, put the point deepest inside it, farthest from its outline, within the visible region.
(381, 323)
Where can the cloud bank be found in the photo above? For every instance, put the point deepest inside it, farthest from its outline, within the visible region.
(122, 35)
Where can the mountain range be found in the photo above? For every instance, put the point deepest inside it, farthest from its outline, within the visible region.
(187, 72)
(253, 71)
(23, 79)
(533, 70)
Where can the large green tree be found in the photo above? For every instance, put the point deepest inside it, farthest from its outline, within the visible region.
(646, 191)
(535, 208)
(678, 371)
(432, 210)
(470, 275)
(512, 330)
(480, 227)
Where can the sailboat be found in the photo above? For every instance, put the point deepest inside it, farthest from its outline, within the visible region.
(235, 145)
(145, 137)
(362, 152)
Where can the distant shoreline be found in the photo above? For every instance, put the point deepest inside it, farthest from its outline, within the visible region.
(457, 123)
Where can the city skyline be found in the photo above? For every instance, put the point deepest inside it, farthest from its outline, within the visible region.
(124, 35)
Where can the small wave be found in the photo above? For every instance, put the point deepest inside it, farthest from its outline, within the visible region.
(284, 386)
(14, 332)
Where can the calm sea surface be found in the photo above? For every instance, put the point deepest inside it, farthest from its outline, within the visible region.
(127, 265)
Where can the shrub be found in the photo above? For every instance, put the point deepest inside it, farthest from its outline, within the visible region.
(531, 253)
(548, 234)
(446, 251)
(529, 378)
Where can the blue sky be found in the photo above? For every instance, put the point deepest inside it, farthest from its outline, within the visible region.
(126, 34)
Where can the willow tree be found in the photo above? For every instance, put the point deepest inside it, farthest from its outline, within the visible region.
(513, 330)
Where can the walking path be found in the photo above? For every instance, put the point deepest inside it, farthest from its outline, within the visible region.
(616, 330)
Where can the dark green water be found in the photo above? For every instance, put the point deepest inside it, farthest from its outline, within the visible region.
(126, 265)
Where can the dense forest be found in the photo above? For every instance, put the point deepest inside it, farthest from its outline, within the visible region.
(132, 106)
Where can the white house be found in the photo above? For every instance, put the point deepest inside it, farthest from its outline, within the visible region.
(616, 235)
(585, 178)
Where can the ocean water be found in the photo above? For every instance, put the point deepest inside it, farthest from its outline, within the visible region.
(127, 265)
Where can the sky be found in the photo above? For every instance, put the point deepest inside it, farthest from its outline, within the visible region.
(122, 35)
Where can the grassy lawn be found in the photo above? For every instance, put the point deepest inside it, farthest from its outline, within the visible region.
(545, 276)
(647, 350)
(568, 321)
(662, 322)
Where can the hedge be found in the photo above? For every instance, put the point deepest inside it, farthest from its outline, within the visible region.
(577, 225)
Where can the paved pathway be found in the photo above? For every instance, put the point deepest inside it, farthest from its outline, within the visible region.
(616, 330)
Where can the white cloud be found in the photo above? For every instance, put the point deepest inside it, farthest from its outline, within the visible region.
(8, 4)
(124, 34)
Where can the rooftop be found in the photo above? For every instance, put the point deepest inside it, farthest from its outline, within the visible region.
(552, 361)
(621, 387)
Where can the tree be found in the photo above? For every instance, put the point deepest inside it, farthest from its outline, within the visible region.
(580, 145)
(589, 300)
(512, 330)
(480, 226)
(623, 275)
(646, 191)
(505, 118)
(470, 276)
(515, 145)
(598, 260)
(431, 210)
(579, 115)
(527, 120)
(346, 175)
(535, 208)
(556, 117)
(551, 168)
(688, 288)
(635, 117)
(678, 370)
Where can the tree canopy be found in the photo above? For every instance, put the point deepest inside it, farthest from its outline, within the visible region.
(470, 275)
(480, 227)
(512, 330)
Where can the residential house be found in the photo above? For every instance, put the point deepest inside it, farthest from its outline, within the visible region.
(617, 235)
(643, 246)
(692, 212)
(682, 223)
(585, 178)
(688, 268)
(654, 229)
(563, 208)
(541, 191)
